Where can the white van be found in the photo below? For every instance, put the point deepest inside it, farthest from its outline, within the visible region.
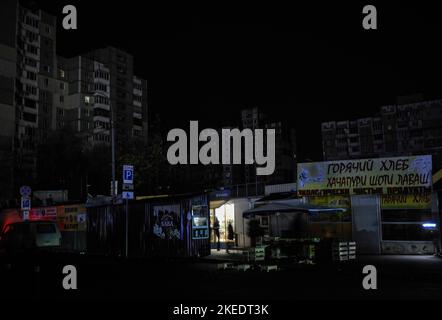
(30, 236)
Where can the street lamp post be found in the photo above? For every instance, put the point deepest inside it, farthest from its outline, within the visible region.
(113, 152)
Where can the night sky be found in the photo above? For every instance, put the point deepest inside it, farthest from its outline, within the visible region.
(308, 64)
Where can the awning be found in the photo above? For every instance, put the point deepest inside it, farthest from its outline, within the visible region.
(214, 204)
(272, 208)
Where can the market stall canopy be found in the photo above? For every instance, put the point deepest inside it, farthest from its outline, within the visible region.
(272, 208)
(214, 204)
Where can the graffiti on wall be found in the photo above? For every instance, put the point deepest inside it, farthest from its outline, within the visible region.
(167, 222)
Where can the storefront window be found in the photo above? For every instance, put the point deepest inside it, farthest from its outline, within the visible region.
(406, 215)
(406, 225)
(406, 232)
(224, 214)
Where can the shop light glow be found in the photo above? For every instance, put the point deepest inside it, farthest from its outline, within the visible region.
(429, 225)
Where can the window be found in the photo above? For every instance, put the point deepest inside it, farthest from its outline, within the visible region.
(101, 74)
(61, 85)
(354, 140)
(30, 117)
(60, 112)
(101, 87)
(32, 49)
(378, 137)
(31, 75)
(137, 122)
(32, 36)
(31, 62)
(61, 73)
(46, 82)
(87, 99)
(47, 68)
(46, 228)
(30, 103)
(406, 224)
(31, 89)
(48, 29)
(406, 215)
(101, 100)
(101, 112)
(61, 99)
(30, 21)
(406, 232)
(29, 131)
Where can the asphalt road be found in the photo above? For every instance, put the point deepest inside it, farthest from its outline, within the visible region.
(398, 277)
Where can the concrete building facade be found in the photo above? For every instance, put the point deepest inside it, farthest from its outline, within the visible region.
(398, 130)
(41, 92)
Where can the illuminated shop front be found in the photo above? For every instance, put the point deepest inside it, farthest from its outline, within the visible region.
(227, 209)
(224, 214)
(391, 206)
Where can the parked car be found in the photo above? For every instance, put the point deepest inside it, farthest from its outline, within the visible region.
(29, 236)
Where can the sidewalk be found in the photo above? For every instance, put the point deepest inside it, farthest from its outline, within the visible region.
(222, 255)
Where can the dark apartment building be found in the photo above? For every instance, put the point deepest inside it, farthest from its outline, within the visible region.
(406, 128)
(285, 148)
(41, 92)
(127, 94)
(27, 60)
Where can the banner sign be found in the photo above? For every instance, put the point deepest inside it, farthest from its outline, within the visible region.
(71, 217)
(406, 201)
(43, 213)
(399, 175)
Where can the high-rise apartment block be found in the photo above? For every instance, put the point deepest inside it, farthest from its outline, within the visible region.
(398, 130)
(41, 92)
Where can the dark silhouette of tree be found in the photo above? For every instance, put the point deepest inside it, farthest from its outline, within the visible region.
(66, 161)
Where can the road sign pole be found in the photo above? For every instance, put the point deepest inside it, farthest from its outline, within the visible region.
(128, 180)
(127, 228)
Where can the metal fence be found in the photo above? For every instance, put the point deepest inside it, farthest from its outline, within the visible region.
(106, 229)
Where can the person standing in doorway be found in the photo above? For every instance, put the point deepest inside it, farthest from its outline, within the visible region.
(230, 236)
(216, 232)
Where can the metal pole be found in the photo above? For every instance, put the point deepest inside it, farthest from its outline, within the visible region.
(127, 227)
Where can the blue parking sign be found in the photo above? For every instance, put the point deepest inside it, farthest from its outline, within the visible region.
(26, 203)
(128, 174)
(128, 195)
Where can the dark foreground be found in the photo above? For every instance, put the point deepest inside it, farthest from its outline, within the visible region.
(399, 277)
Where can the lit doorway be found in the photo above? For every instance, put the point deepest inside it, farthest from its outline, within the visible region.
(224, 214)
